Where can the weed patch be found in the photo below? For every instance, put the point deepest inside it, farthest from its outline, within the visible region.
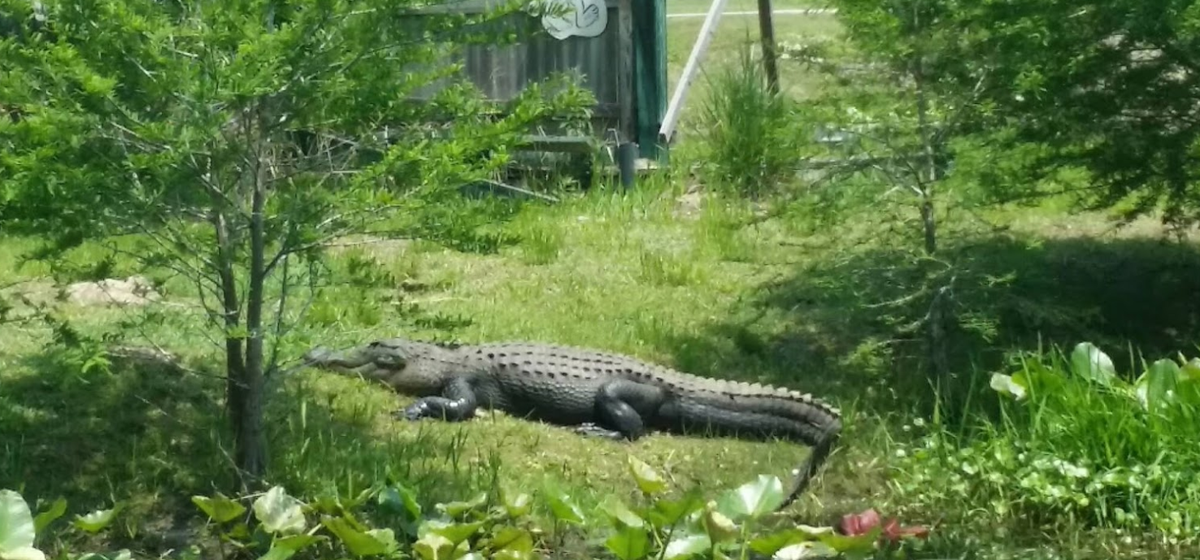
(748, 131)
(1074, 446)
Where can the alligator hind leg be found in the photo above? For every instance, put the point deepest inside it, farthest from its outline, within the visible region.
(457, 403)
(617, 405)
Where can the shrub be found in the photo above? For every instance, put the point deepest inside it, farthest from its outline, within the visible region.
(748, 130)
(1074, 444)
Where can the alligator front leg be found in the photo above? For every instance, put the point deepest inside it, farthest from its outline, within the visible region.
(457, 403)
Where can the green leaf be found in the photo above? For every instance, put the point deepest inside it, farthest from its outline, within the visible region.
(433, 546)
(284, 547)
(563, 507)
(508, 554)
(619, 513)
(807, 549)
(398, 499)
(454, 532)
(1187, 389)
(683, 547)
(123, 554)
(665, 512)
(45, 518)
(16, 528)
(771, 543)
(518, 505)
(628, 543)
(219, 509)
(360, 543)
(458, 509)
(648, 479)
(1090, 362)
(277, 552)
(1190, 370)
(845, 544)
(513, 539)
(755, 499)
(717, 525)
(1006, 385)
(23, 553)
(96, 521)
(279, 513)
(299, 542)
(1155, 387)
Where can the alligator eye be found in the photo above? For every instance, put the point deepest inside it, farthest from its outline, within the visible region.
(389, 361)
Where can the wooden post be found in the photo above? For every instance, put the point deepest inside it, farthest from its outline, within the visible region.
(667, 130)
(767, 30)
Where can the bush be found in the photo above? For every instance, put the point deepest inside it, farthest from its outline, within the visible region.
(1075, 444)
(748, 130)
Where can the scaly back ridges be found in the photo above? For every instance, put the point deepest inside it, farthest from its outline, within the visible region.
(704, 387)
(709, 387)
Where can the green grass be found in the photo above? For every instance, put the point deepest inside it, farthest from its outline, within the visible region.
(709, 292)
(702, 6)
(621, 274)
(737, 32)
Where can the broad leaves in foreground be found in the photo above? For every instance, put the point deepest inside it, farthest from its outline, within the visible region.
(1165, 386)
(16, 529)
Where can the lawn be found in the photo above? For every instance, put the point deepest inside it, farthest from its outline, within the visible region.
(659, 275)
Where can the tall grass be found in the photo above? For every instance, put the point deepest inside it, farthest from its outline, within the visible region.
(748, 131)
(1074, 445)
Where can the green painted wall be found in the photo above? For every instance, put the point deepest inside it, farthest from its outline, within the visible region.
(650, 73)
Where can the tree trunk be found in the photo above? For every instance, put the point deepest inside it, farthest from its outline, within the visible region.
(251, 441)
(938, 352)
(240, 393)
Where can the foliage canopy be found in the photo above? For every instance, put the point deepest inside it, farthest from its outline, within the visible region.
(235, 138)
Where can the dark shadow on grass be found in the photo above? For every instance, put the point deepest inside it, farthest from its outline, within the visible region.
(152, 436)
(331, 442)
(142, 434)
(819, 329)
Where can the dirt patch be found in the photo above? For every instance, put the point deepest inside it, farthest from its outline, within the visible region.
(690, 203)
(379, 246)
(135, 290)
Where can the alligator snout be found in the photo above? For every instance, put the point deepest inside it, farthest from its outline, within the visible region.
(317, 355)
(332, 359)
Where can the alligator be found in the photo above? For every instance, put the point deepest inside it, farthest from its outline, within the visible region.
(600, 393)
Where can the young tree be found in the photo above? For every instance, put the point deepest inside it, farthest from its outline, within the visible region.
(234, 138)
(902, 117)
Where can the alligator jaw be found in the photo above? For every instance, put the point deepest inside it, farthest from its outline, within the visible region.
(353, 361)
(406, 367)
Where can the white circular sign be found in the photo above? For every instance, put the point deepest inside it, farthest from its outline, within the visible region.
(583, 18)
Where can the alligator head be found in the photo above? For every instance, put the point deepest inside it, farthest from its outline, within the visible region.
(409, 367)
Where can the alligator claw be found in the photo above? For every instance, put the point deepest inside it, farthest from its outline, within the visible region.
(592, 430)
(412, 412)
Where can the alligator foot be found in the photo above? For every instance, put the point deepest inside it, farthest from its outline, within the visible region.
(591, 430)
(409, 413)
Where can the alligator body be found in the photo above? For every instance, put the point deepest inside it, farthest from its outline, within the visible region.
(601, 393)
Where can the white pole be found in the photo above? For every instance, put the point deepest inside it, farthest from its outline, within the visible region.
(667, 130)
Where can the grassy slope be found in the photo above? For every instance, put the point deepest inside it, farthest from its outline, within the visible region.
(630, 275)
(647, 274)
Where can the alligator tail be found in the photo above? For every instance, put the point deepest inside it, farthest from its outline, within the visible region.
(774, 411)
(817, 457)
